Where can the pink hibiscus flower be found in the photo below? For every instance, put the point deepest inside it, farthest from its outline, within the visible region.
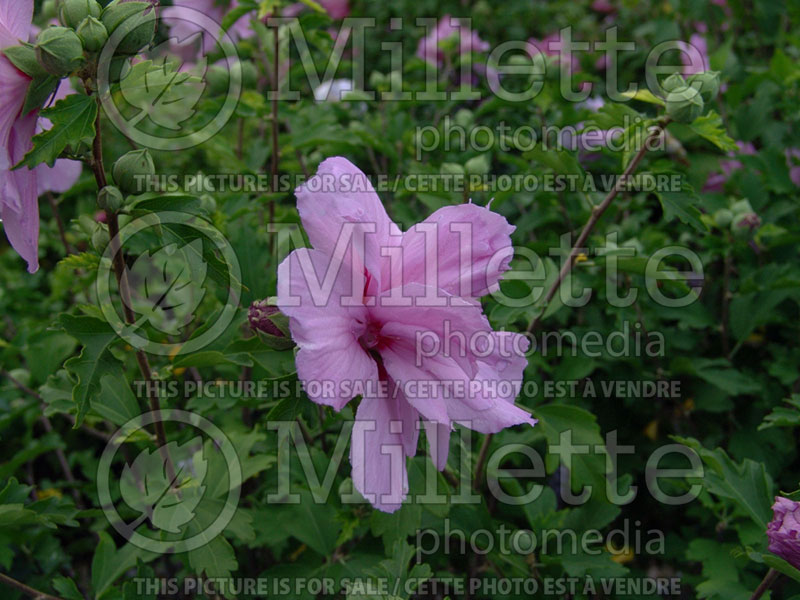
(429, 48)
(384, 295)
(183, 26)
(19, 210)
(64, 173)
(695, 55)
(715, 182)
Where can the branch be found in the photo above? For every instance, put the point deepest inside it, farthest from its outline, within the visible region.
(121, 274)
(597, 213)
(36, 594)
(765, 584)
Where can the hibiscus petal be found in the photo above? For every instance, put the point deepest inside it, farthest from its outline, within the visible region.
(16, 17)
(58, 178)
(439, 442)
(463, 250)
(19, 208)
(338, 195)
(330, 360)
(378, 451)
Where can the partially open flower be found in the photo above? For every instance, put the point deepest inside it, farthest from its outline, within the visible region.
(784, 531)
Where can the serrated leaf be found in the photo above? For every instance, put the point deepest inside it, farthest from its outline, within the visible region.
(80, 260)
(683, 205)
(747, 484)
(644, 95)
(710, 127)
(167, 500)
(73, 120)
(166, 286)
(162, 93)
(39, 90)
(95, 359)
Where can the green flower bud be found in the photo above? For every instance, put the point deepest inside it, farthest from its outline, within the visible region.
(685, 105)
(708, 84)
(463, 117)
(72, 12)
(110, 198)
(137, 21)
(741, 207)
(49, 10)
(217, 80)
(59, 51)
(249, 75)
(118, 66)
(93, 34)
(723, 217)
(100, 238)
(451, 169)
(674, 83)
(131, 170)
(478, 165)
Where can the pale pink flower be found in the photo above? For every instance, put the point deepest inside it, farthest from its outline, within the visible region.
(183, 22)
(792, 158)
(19, 210)
(715, 182)
(65, 172)
(550, 45)
(694, 55)
(380, 296)
(430, 50)
(604, 6)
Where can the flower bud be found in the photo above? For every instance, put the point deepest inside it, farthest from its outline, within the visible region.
(110, 198)
(131, 171)
(93, 34)
(723, 217)
(478, 165)
(59, 50)
(271, 325)
(741, 206)
(259, 318)
(100, 238)
(72, 12)
(137, 21)
(674, 83)
(685, 105)
(747, 221)
(783, 531)
(217, 79)
(708, 84)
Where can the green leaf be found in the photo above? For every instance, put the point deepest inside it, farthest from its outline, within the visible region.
(783, 416)
(73, 121)
(94, 361)
(683, 205)
(116, 401)
(67, 589)
(108, 563)
(746, 484)
(23, 57)
(214, 559)
(710, 127)
(644, 95)
(39, 90)
(167, 500)
(587, 469)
